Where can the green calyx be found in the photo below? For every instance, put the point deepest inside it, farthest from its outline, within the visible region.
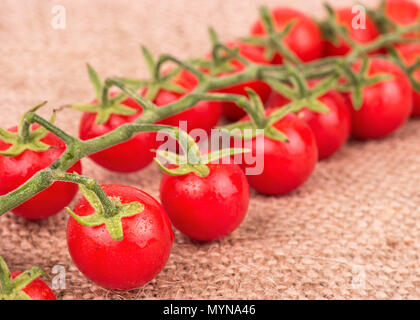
(26, 138)
(106, 106)
(247, 130)
(217, 67)
(110, 218)
(259, 123)
(383, 23)
(200, 168)
(301, 96)
(409, 70)
(183, 166)
(12, 289)
(272, 41)
(158, 82)
(222, 56)
(191, 161)
(332, 30)
(357, 81)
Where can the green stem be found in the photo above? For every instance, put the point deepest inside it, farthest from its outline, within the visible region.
(34, 118)
(24, 128)
(77, 149)
(241, 101)
(164, 58)
(108, 206)
(6, 283)
(145, 103)
(380, 42)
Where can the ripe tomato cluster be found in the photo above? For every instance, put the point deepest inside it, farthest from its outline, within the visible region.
(209, 201)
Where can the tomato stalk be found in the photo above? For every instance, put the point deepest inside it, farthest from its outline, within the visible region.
(11, 289)
(273, 40)
(408, 69)
(90, 184)
(107, 211)
(381, 42)
(77, 149)
(105, 106)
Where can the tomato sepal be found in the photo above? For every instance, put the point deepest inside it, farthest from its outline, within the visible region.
(357, 81)
(409, 70)
(184, 165)
(26, 138)
(243, 130)
(272, 42)
(158, 82)
(113, 223)
(104, 113)
(12, 289)
(106, 106)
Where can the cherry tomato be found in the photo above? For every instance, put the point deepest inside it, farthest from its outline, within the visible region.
(204, 115)
(37, 289)
(254, 54)
(131, 262)
(331, 129)
(208, 208)
(304, 39)
(129, 156)
(410, 52)
(361, 35)
(15, 171)
(386, 105)
(403, 13)
(287, 165)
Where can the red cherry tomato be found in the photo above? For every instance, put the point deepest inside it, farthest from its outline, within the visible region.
(208, 208)
(365, 35)
(403, 13)
(254, 54)
(304, 39)
(129, 156)
(287, 165)
(331, 129)
(204, 115)
(131, 262)
(15, 171)
(37, 289)
(386, 105)
(410, 52)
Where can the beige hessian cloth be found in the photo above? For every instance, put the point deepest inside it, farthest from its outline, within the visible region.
(352, 231)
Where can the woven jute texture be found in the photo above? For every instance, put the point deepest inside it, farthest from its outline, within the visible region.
(352, 231)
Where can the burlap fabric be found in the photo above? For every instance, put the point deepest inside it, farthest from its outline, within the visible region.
(352, 231)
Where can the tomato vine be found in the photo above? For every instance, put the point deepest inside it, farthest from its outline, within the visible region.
(288, 79)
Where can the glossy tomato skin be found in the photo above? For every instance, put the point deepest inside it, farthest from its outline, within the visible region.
(210, 208)
(15, 171)
(345, 18)
(410, 52)
(332, 129)
(256, 55)
(386, 105)
(287, 165)
(204, 115)
(403, 13)
(304, 39)
(129, 156)
(126, 264)
(37, 289)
